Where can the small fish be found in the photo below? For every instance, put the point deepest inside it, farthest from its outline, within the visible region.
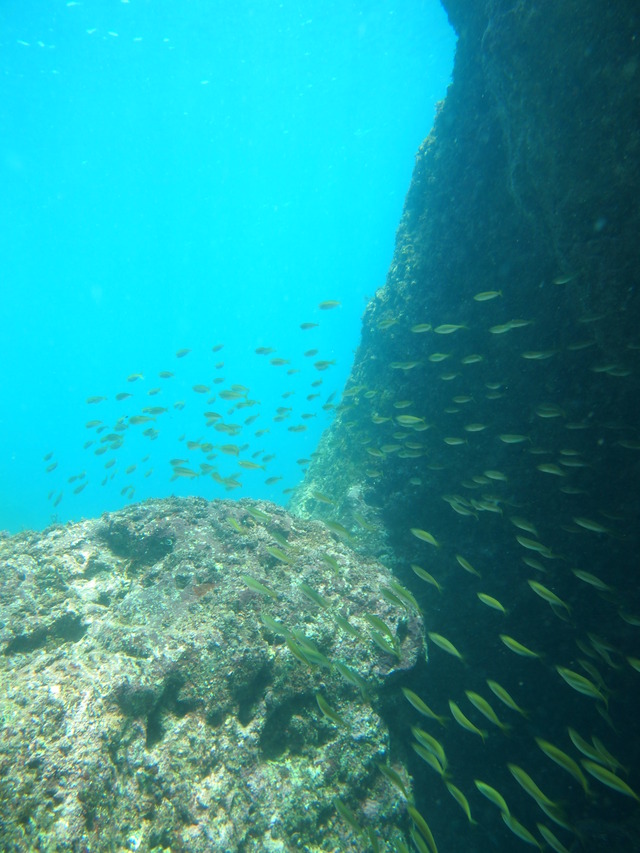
(395, 778)
(420, 328)
(551, 839)
(312, 595)
(422, 573)
(432, 744)
(517, 647)
(581, 684)
(548, 595)
(280, 539)
(519, 830)
(549, 410)
(256, 513)
(592, 580)
(448, 328)
(481, 704)
(273, 625)
(280, 555)
(362, 521)
(423, 827)
(445, 645)
(582, 746)
(408, 420)
(418, 841)
(181, 471)
(565, 761)
(529, 786)
(306, 326)
(512, 438)
(608, 778)
(505, 697)
(328, 304)
(182, 352)
(464, 722)
(256, 586)
(347, 627)
(404, 365)
(492, 795)
(533, 545)
(462, 801)
(331, 562)
(425, 536)
(383, 643)
(339, 530)
(352, 677)
(406, 597)
(323, 364)
(328, 711)
(593, 526)
(466, 565)
(564, 278)
(523, 524)
(422, 707)
(501, 328)
(491, 602)
(381, 626)
(95, 399)
(345, 812)
(429, 758)
(496, 476)
(551, 468)
(486, 295)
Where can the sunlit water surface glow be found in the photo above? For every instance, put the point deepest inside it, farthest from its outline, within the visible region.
(183, 176)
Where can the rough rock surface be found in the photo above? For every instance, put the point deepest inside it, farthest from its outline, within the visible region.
(146, 705)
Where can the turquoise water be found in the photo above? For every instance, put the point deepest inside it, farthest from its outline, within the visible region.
(180, 176)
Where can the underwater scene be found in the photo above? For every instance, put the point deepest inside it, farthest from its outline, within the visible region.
(321, 445)
(185, 189)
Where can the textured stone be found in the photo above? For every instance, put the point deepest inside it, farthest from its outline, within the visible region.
(145, 704)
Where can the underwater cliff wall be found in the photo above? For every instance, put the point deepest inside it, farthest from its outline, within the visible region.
(488, 434)
(530, 176)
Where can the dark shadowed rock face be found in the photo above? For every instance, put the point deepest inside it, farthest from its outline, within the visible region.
(146, 704)
(493, 402)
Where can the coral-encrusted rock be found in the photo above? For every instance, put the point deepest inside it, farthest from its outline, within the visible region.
(147, 703)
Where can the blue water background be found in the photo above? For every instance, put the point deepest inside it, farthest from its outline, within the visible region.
(181, 175)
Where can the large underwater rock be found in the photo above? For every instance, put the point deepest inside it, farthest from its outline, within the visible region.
(493, 403)
(146, 703)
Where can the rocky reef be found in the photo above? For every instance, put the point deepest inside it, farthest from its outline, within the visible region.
(493, 405)
(200, 677)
